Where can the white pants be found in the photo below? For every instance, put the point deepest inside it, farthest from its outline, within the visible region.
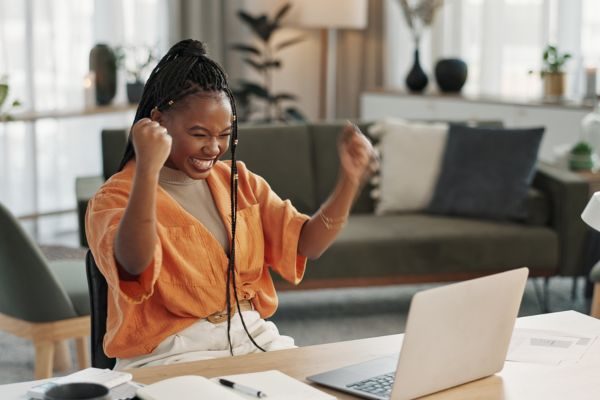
(204, 340)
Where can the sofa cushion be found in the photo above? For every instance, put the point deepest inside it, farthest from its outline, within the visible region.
(411, 154)
(486, 172)
(420, 244)
(324, 140)
(282, 155)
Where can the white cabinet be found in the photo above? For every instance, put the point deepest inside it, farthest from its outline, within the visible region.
(563, 123)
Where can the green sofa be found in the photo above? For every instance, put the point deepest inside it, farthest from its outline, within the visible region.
(300, 163)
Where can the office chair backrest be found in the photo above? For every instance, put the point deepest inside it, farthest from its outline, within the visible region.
(28, 288)
(98, 296)
(113, 147)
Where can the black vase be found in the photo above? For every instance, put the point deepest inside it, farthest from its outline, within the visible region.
(134, 92)
(416, 80)
(104, 64)
(451, 74)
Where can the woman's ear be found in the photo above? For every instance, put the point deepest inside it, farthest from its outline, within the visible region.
(156, 115)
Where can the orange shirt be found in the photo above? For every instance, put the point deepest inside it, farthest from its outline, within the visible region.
(187, 277)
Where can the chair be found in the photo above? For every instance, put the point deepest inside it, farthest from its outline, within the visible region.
(45, 302)
(595, 278)
(98, 294)
(114, 142)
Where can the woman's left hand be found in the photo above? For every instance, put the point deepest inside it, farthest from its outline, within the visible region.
(358, 159)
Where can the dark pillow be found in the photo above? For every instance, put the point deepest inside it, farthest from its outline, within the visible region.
(486, 172)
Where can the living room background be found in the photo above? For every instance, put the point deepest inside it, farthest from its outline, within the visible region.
(45, 45)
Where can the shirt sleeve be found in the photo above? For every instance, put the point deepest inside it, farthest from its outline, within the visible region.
(282, 225)
(104, 213)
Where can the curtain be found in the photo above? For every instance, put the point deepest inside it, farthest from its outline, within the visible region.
(202, 20)
(360, 62)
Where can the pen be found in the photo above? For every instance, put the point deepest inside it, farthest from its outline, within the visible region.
(242, 388)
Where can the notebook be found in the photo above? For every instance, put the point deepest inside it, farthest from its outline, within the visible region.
(454, 334)
(275, 384)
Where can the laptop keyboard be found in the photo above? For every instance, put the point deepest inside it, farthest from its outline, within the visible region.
(380, 385)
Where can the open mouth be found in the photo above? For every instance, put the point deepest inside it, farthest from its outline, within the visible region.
(202, 165)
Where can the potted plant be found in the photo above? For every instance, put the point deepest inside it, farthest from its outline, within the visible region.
(582, 157)
(552, 73)
(263, 59)
(4, 91)
(135, 60)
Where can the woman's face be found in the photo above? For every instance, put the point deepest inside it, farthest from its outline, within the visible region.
(200, 126)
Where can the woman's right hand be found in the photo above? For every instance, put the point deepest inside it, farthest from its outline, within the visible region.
(152, 145)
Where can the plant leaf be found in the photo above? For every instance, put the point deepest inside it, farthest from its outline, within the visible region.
(245, 48)
(272, 64)
(284, 96)
(259, 25)
(282, 11)
(256, 65)
(257, 90)
(289, 42)
(3, 93)
(294, 114)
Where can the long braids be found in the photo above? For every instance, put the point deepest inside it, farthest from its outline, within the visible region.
(183, 71)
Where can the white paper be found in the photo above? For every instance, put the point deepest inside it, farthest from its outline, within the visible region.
(278, 386)
(548, 346)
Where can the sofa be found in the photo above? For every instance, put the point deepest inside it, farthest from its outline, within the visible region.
(300, 163)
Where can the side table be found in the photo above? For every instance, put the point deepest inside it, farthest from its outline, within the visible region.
(591, 253)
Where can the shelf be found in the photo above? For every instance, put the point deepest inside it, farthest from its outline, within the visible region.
(35, 115)
(563, 104)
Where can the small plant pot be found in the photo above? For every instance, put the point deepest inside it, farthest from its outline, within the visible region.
(134, 92)
(554, 85)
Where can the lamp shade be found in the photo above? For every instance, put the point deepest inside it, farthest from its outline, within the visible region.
(591, 213)
(346, 14)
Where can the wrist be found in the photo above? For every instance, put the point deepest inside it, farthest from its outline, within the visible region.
(146, 174)
(348, 182)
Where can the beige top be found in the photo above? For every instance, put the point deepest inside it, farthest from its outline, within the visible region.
(195, 197)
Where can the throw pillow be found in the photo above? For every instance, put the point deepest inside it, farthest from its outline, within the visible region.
(486, 172)
(411, 154)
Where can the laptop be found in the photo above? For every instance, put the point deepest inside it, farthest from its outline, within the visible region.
(454, 334)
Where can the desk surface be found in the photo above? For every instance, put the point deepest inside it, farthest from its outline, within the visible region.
(516, 381)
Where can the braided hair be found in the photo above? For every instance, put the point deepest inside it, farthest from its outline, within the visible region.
(186, 70)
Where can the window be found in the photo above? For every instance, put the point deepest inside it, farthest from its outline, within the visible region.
(44, 50)
(502, 40)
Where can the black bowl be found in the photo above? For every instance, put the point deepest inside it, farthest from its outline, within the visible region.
(78, 391)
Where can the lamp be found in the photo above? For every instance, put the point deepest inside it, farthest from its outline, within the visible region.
(330, 15)
(591, 213)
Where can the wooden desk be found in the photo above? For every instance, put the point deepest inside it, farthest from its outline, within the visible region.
(516, 381)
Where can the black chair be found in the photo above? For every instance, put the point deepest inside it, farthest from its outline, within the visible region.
(98, 294)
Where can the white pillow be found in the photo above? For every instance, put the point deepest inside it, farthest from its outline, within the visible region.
(411, 155)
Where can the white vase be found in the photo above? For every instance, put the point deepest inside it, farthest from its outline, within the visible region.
(590, 128)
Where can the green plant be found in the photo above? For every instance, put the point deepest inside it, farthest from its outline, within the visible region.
(135, 60)
(554, 60)
(263, 59)
(4, 91)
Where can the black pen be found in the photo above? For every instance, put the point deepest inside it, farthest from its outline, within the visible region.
(242, 388)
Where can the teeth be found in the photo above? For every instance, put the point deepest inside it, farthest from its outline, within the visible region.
(202, 164)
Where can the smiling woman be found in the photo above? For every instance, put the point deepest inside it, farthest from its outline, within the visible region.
(158, 228)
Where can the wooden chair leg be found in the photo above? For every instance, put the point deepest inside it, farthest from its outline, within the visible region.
(44, 357)
(83, 358)
(596, 301)
(62, 356)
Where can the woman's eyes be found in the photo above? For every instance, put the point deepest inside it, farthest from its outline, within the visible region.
(204, 135)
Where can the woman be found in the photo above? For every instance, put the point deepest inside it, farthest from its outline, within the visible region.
(158, 228)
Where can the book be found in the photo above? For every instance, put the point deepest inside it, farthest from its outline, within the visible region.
(275, 384)
(109, 378)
